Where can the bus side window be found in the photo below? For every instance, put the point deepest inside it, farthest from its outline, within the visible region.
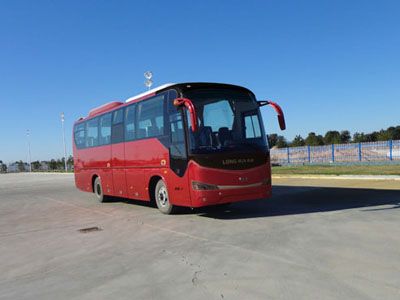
(105, 129)
(117, 132)
(80, 135)
(130, 123)
(252, 124)
(177, 148)
(92, 132)
(177, 136)
(151, 117)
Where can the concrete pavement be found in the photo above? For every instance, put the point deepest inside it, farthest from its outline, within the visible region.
(315, 239)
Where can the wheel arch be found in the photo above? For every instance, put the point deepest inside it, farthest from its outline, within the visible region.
(152, 185)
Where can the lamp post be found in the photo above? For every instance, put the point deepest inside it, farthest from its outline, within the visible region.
(149, 82)
(28, 133)
(63, 136)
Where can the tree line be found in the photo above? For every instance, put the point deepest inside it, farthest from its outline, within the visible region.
(44, 165)
(335, 137)
(54, 164)
(3, 167)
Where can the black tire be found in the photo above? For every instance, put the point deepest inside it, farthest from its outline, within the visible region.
(162, 199)
(98, 190)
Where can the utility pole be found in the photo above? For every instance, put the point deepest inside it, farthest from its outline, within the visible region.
(63, 136)
(29, 149)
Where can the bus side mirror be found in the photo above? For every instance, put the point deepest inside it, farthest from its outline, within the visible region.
(279, 111)
(180, 102)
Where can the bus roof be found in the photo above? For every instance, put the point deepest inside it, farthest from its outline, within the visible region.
(111, 105)
(103, 108)
(149, 92)
(154, 91)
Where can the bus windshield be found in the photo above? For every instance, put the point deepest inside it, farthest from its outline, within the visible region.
(228, 120)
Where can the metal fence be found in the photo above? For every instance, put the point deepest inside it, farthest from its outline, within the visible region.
(338, 153)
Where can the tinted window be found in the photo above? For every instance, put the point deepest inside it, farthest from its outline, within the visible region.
(105, 130)
(228, 121)
(151, 117)
(252, 124)
(130, 123)
(172, 96)
(79, 135)
(176, 123)
(117, 133)
(118, 116)
(177, 148)
(218, 114)
(92, 132)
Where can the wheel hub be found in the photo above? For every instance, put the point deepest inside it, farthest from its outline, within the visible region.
(163, 196)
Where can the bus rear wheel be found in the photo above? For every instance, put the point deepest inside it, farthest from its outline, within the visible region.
(162, 199)
(98, 190)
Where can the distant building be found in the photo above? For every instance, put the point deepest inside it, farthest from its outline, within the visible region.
(14, 167)
(44, 166)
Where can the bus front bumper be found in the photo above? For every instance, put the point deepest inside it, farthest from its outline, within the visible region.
(230, 194)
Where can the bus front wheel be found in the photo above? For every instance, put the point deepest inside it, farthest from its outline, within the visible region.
(162, 199)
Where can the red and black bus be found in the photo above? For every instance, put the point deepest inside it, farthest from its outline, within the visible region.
(187, 144)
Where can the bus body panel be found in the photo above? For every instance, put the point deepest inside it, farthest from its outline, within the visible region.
(103, 169)
(146, 153)
(178, 188)
(86, 166)
(143, 157)
(118, 169)
(135, 182)
(77, 167)
(149, 158)
(233, 185)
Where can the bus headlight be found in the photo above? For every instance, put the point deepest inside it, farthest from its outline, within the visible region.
(200, 186)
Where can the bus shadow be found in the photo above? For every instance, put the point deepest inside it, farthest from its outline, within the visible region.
(291, 200)
(149, 204)
(113, 199)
